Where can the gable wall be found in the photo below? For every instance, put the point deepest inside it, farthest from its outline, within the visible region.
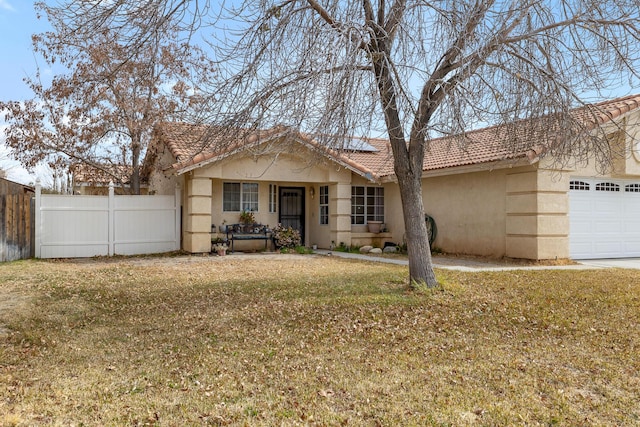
(631, 145)
(624, 140)
(285, 167)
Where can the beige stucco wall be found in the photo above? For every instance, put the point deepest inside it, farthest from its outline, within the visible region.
(626, 145)
(515, 212)
(469, 211)
(537, 221)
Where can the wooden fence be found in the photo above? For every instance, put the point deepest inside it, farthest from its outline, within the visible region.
(16, 223)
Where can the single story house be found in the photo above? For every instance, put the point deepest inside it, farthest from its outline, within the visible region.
(485, 199)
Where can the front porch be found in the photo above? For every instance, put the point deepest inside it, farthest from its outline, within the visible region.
(322, 211)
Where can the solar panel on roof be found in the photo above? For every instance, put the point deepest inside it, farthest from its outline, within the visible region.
(357, 144)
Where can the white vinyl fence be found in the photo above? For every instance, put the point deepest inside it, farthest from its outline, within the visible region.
(87, 226)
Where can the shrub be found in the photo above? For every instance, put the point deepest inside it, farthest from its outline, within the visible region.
(286, 237)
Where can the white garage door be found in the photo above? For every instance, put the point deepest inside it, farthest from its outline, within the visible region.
(604, 218)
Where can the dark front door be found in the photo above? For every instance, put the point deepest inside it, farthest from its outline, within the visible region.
(292, 208)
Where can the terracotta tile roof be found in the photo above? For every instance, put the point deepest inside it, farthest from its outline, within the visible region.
(493, 143)
(379, 162)
(193, 145)
(606, 111)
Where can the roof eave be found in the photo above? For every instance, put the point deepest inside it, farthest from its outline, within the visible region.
(522, 160)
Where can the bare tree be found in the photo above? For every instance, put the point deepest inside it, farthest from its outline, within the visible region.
(102, 113)
(411, 69)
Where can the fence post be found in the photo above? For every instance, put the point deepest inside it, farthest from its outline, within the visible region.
(38, 225)
(112, 220)
(178, 217)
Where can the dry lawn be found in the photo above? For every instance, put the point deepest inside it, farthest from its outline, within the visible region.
(308, 340)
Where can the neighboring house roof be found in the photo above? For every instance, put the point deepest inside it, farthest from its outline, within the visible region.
(194, 145)
(11, 187)
(90, 175)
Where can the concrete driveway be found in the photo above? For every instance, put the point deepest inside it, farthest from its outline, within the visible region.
(479, 264)
(633, 263)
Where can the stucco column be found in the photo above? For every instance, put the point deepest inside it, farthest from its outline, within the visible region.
(340, 213)
(537, 215)
(197, 215)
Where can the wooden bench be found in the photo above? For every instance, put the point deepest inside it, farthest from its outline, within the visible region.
(248, 232)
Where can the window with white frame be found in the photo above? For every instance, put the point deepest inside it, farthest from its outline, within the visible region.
(239, 196)
(324, 204)
(273, 198)
(367, 204)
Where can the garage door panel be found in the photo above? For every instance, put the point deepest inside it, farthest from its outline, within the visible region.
(632, 227)
(604, 224)
(633, 250)
(608, 248)
(582, 204)
(608, 228)
(607, 209)
(581, 250)
(582, 227)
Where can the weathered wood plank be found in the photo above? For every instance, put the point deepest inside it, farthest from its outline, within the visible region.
(15, 226)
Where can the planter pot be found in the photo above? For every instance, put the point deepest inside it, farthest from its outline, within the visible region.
(221, 252)
(222, 228)
(374, 226)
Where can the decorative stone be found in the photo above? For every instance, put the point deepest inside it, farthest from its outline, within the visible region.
(365, 249)
(390, 249)
(375, 251)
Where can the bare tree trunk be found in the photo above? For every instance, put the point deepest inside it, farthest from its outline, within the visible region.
(135, 164)
(407, 163)
(420, 264)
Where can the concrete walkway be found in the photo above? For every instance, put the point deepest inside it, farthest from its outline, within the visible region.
(471, 265)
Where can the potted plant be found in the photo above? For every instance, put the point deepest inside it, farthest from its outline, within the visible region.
(374, 226)
(219, 246)
(220, 249)
(247, 218)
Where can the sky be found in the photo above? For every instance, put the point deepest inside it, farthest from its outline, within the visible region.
(17, 23)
